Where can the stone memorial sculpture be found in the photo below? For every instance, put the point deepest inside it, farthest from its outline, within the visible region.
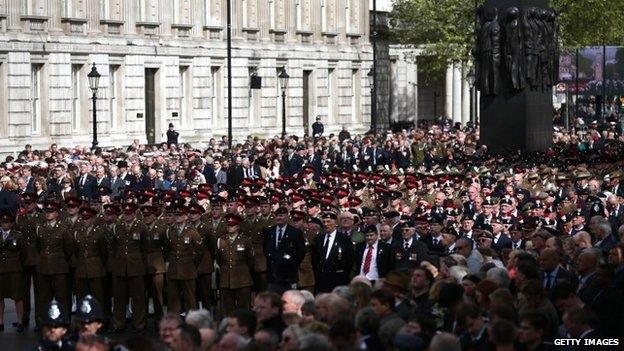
(513, 48)
(490, 53)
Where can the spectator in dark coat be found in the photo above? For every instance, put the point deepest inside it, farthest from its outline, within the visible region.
(9, 200)
(172, 135)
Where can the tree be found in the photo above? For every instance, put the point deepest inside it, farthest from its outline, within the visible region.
(445, 28)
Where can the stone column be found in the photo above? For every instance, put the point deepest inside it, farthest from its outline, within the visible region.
(55, 12)
(465, 114)
(14, 10)
(448, 92)
(93, 17)
(457, 93)
(129, 10)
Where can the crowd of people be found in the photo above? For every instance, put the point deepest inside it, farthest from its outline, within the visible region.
(416, 239)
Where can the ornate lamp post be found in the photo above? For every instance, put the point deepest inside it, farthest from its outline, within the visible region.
(283, 77)
(94, 82)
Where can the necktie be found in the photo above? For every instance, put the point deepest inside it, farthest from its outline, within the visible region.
(280, 233)
(368, 259)
(435, 241)
(84, 177)
(548, 281)
(407, 245)
(375, 157)
(327, 245)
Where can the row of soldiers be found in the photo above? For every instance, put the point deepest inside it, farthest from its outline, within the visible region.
(127, 250)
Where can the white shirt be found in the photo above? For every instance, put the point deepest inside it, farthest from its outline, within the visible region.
(372, 274)
(409, 243)
(277, 234)
(332, 237)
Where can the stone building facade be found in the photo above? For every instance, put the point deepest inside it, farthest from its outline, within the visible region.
(164, 61)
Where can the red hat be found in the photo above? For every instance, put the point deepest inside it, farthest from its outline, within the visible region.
(111, 210)
(72, 202)
(196, 209)
(87, 213)
(233, 219)
(341, 193)
(202, 195)
(410, 184)
(354, 201)
(205, 187)
(260, 182)
(51, 206)
(393, 180)
(296, 197)
(148, 210)
(129, 208)
(185, 193)
(246, 182)
(180, 210)
(297, 215)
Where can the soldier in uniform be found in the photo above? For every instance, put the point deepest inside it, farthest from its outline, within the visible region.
(55, 324)
(12, 280)
(109, 225)
(27, 224)
(310, 229)
(91, 253)
(156, 268)
(235, 257)
(215, 221)
(253, 226)
(55, 243)
(186, 249)
(206, 265)
(128, 254)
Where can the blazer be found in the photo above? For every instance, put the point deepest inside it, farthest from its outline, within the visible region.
(55, 246)
(235, 261)
(409, 258)
(382, 259)
(87, 190)
(504, 242)
(335, 269)
(117, 186)
(291, 166)
(283, 260)
(12, 252)
(91, 252)
(185, 251)
(128, 249)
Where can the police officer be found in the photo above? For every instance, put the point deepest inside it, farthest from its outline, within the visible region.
(235, 257)
(156, 248)
(317, 128)
(128, 254)
(91, 253)
(55, 243)
(11, 272)
(186, 248)
(55, 324)
(89, 316)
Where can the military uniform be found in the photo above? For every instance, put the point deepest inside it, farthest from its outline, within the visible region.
(156, 268)
(127, 265)
(253, 228)
(186, 248)
(235, 257)
(91, 253)
(306, 271)
(12, 252)
(27, 225)
(55, 243)
(206, 265)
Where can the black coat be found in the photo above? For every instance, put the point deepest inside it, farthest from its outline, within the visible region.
(283, 261)
(439, 249)
(382, 259)
(410, 258)
(291, 166)
(336, 269)
(317, 129)
(172, 137)
(9, 202)
(504, 242)
(88, 190)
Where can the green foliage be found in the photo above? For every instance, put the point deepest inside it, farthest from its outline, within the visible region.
(445, 28)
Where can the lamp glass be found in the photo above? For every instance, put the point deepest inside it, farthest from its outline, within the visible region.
(371, 78)
(283, 77)
(94, 79)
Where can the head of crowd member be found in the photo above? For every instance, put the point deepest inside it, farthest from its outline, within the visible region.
(90, 316)
(407, 230)
(92, 342)
(616, 256)
(385, 232)
(293, 301)
(370, 235)
(421, 281)
(167, 326)
(281, 216)
(564, 297)
(392, 218)
(346, 221)
(470, 318)
(538, 239)
(587, 262)
(233, 222)
(342, 335)
(549, 260)
(582, 240)
(533, 326)
(469, 283)
(502, 334)
(73, 206)
(231, 342)
(463, 246)
(329, 221)
(298, 219)
(421, 226)
(242, 322)
(577, 322)
(268, 306)
(314, 225)
(467, 223)
(54, 324)
(321, 306)
(51, 209)
(554, 243)
(382, 302)
(290, 338)
(232, 204)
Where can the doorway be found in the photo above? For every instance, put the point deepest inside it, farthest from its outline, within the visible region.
(150, 105)
(306, 101)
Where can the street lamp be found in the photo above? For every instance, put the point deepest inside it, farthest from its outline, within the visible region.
(471, 78)
(94, 82)
(283, 77)
(371, 84)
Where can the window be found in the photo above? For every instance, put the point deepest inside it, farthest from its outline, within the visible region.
(355, 94)
(347, 16)
(212, 13)
(272, 14)
(216, 93)
(184, 70)
(35, 100)
(331, 84)
(34, 7)
(76, 86)
(323, 16)
(112, 107)
(298, 18)
(105, 9)
(245, 13)
(181, 12)
(73, 8)
(111, 9)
